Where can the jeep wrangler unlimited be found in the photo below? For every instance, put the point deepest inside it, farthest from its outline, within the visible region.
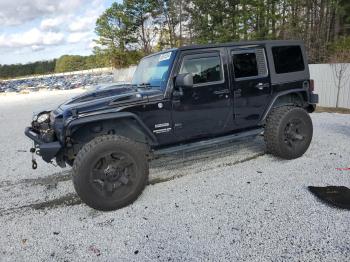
(179, 99)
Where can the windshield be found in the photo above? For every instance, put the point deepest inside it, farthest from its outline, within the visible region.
(154, 71)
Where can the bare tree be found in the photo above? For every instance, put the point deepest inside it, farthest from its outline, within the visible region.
(340, 63)
(340, 76)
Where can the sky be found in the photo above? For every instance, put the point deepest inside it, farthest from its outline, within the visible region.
(34, 30)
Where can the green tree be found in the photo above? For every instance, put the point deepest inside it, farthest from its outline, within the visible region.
(214, 21)
(140, 13)
(68, 63)
(114, 29)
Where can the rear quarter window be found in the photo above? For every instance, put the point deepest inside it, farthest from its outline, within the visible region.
(288, 59)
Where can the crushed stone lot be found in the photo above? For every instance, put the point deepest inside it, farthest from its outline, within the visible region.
(228, 203)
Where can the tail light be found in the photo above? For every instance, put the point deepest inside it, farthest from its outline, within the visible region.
(312, 85)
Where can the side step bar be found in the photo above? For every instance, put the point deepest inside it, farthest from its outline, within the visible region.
(206, 143)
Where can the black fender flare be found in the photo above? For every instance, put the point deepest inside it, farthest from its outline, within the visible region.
(110, 116)
(299, 92)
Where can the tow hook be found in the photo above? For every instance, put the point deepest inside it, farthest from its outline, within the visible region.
(34, 164)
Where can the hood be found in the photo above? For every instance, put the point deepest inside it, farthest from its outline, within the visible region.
(106, 97)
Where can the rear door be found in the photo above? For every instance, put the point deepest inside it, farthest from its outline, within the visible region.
(206, 108)
(251, 82)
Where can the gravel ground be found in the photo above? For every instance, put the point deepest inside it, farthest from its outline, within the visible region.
(232, 202)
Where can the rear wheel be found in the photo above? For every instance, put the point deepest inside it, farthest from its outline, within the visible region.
(110, 172)
(288, 132)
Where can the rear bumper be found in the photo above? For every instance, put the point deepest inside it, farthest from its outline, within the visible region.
(46, 150)
(313, 98)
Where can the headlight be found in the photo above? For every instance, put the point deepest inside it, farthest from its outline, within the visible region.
(35, 117)
(43, 118)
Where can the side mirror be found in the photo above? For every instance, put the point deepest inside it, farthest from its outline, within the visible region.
(184, 80)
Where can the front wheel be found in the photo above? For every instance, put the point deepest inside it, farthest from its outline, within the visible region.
(110, 172)
(288, 132)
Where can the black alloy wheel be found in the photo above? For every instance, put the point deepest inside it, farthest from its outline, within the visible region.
(110, 172)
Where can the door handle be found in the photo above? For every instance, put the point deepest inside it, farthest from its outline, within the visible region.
(221, 92)
(261, 86)
(178, 93)
(195, 96)
(238, 93)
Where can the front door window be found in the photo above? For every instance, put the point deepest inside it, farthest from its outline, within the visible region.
(203, 69)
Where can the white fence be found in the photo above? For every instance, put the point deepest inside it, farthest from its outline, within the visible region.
(326, 83)
(323, 75)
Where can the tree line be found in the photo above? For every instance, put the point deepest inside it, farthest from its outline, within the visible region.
(145, 26)
(37, 68)
(65, 63)
(129, 30)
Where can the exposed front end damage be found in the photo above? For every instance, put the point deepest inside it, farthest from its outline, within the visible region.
(43, 135)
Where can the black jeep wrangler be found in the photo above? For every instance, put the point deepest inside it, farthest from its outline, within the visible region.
(179, 99)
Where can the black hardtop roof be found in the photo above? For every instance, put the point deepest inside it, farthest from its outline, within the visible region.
(239, 43)
(243, 43)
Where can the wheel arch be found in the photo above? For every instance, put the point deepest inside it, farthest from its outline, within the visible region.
(299, 98)
(122, 123)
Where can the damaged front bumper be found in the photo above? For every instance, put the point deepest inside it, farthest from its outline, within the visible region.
(47, 150)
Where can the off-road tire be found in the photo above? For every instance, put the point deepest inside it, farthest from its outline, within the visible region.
(278, 121)
(84, 166)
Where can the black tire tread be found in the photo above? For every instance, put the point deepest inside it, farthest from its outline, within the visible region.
(139, 148)
(273, 129)
(273, 122)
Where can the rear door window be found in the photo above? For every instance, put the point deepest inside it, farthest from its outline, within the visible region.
(245, 65)
(249, 64)
(288, 59)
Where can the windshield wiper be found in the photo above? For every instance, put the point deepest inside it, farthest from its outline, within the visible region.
(144, 85)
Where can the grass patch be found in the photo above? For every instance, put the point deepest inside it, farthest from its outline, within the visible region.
(341, 110)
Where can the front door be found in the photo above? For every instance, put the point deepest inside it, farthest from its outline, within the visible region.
(206, 108)
(252, 89)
